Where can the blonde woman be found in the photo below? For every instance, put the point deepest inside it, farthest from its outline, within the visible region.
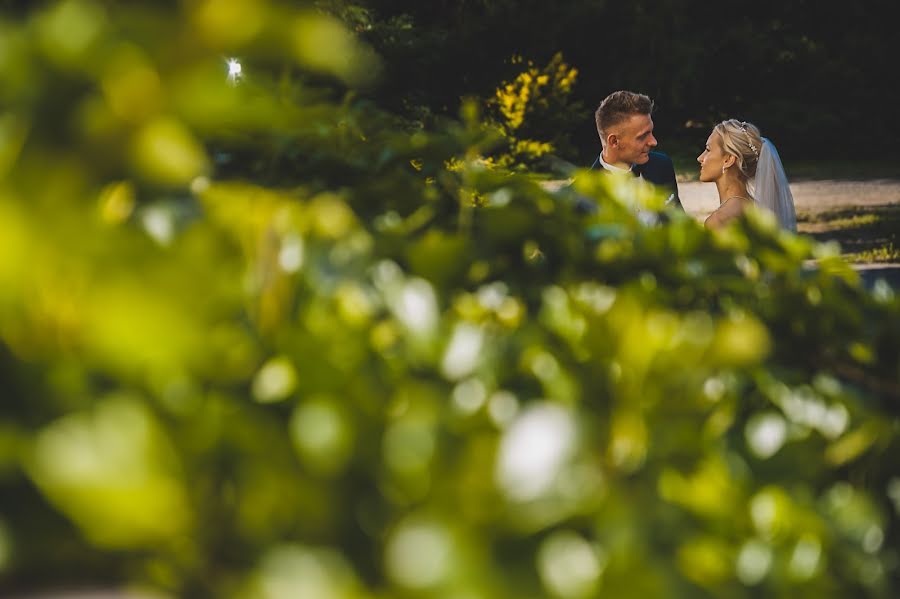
(747, 171)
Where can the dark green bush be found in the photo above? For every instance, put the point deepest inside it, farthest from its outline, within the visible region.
(258, 339)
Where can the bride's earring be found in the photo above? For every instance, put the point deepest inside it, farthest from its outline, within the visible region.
(723, 169)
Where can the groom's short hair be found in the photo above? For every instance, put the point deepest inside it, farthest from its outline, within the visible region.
(618, 106)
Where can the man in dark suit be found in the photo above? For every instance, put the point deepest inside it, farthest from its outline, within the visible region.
(626, 136)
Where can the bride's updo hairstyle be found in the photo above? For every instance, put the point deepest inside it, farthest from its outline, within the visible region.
(743, 141)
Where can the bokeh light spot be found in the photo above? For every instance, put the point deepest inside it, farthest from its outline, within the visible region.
(275, 381)
(418, 554)
(766, 434)
(753, 562)
(533, 450)
(463, 352)
(569, 566)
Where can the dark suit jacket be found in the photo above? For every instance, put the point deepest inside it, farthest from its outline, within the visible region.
(657, 170)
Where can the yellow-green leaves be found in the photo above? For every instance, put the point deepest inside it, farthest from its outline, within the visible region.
(112, 470)
(740, 340)
(13, 132)
(322, 434)
(516, 104)
(69, 30)
(131, 85)
(444, 258)
(116, 202)
(165, 152)
(705, 560)
(226, 24)
(324, 44)
(134, 330)
(14, 247)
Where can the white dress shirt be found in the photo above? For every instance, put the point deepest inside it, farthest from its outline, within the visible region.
(613, 168)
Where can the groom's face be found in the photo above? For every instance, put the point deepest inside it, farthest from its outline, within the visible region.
(635, 139)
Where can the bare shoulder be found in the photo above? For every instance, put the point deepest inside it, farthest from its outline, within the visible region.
(727, 212)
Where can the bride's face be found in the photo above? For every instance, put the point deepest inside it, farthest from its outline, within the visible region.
(712, 159)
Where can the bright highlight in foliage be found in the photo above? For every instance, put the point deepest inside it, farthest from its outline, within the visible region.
(235, 70)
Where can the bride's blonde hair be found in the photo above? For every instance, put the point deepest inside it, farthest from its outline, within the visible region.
(743, 141)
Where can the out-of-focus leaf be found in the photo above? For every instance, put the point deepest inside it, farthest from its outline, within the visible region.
(112, 470)
(166, 152)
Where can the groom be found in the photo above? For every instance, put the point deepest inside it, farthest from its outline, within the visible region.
(626, 136)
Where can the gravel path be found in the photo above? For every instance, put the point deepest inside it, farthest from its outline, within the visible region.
(699, 199)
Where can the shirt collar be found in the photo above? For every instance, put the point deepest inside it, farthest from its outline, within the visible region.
(612, 167)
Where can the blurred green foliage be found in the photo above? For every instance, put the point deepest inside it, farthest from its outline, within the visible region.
(259, 339)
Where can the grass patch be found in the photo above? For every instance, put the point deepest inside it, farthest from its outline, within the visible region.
(890, 253)
(840, 222)
(867, 234)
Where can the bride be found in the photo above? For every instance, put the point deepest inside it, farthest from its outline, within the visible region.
(747, 171)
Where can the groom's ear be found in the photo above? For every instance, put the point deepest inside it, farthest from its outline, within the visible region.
(612, 140)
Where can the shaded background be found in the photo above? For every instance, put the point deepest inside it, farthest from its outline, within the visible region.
(815, 76)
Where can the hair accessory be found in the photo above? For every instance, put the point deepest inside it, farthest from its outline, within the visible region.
(749, 141)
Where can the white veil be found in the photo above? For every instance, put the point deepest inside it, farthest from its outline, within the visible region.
(771, 189)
